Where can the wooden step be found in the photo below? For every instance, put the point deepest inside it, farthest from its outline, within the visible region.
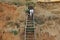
(29, 33)
(29, 25)
(30, 28)
(29, 22)
(30, 39)
(30, 36)
(30, 18)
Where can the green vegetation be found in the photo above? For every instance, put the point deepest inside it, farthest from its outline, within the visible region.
(18, 3)
(30, 3)
(15, 32)
(27, 10)
(12, 24)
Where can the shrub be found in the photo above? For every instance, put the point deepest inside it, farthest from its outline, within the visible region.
(18, 3)
(30, 3)
(27, 10)
(15, 32)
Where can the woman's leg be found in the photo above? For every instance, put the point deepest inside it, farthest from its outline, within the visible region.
(31, 14)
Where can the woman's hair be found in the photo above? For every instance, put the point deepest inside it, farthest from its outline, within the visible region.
(30, 7)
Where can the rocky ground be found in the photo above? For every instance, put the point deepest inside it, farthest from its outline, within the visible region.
(47, 21)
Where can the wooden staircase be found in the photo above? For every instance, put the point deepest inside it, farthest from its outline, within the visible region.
(30, 29)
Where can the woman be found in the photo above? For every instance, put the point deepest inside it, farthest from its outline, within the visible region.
(31, 10)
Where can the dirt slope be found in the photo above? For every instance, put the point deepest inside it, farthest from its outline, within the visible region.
(47, 21)
(11, 18)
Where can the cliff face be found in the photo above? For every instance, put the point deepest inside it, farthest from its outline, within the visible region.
(12, 19)
(47, 21)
